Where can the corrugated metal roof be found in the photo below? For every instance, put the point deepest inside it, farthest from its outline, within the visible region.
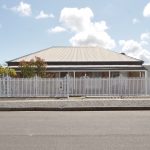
(77, 54)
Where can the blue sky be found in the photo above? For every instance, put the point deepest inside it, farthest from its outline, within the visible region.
(28, 26)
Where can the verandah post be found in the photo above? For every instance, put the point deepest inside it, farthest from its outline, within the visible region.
(74, 77)
(109, 83)
(85, 85)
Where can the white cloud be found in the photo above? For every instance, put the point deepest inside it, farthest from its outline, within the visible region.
(87, 33)
(135, 21)
(57, 29)
(93, 37)
(145, 36)
(23, 9)
(135, 49)
(76, 19)
(146, 12)
(43, 15)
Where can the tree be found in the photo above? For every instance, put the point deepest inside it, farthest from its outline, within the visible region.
(27, 69)
(33, 67)
(40, 67)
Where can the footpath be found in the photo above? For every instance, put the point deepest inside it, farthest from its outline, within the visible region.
(75, 103)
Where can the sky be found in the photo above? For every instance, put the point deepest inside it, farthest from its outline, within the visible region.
(28, 26)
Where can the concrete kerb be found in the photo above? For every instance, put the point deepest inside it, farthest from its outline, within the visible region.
(74, 104)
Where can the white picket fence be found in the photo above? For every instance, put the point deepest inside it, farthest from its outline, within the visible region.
(65, 87)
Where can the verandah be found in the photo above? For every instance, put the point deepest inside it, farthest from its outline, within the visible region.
(97, 74)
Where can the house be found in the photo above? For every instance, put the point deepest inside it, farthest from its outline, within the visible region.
(85, 61)
(80, 71)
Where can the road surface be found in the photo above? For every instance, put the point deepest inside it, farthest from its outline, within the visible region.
(76, 130)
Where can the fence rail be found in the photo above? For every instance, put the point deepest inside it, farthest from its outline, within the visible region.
(64, 87)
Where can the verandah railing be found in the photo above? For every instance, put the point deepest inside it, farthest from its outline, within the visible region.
(64, 87)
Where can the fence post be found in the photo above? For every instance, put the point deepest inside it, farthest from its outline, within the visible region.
(3, 83)
(67, 85)
(7, 85)
(146, 85)
(121, 88)
(35, 86)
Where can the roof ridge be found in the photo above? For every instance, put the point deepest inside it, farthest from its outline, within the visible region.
(77, 46)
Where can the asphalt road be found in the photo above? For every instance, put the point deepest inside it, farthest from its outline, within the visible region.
(102, 130)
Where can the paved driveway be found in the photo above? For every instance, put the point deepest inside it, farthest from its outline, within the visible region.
(84, 130)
